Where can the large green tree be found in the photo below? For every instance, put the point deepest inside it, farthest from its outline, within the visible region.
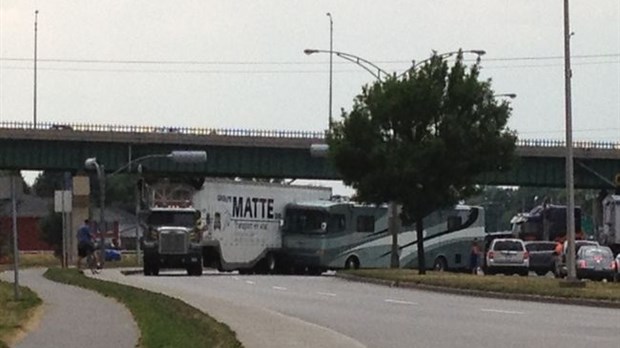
(422, 139)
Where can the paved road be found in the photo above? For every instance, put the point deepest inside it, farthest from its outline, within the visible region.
(74, 317)
(378, 316)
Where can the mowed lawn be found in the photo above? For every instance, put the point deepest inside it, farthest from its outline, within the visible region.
(532, 285)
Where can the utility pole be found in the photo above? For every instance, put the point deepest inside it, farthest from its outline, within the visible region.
(15, 239)
(34, 110)
(331, 67)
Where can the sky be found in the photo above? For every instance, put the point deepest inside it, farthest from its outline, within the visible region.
(240, 64)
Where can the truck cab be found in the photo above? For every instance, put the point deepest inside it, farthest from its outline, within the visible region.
(172, 240)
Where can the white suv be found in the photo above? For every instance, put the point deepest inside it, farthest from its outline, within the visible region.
(507, 256)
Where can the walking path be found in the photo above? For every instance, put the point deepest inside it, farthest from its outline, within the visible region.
(74, 317)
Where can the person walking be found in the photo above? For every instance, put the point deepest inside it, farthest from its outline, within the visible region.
(474, 256)
(86, 245)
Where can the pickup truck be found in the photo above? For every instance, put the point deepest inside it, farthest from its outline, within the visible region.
(542, 256)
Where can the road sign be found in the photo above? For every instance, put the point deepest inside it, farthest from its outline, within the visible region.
(62, 201)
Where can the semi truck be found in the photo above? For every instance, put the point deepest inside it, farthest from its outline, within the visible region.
(226, 224)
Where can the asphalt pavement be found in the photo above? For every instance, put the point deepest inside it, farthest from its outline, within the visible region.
(74, 317)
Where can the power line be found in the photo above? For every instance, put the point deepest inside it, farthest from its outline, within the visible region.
(198, 62)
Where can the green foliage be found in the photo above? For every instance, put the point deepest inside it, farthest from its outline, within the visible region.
(47, 182)
(15, 313)
(51, 231)
(163, 321)
(421, 140)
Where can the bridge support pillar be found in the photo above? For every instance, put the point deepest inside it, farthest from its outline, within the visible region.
(79, 213)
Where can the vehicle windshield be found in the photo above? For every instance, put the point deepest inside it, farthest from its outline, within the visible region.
(172, 218)
(597, 253)
(508, 245)
(304, 221)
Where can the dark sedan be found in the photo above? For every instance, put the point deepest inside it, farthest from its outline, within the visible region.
(596, 263)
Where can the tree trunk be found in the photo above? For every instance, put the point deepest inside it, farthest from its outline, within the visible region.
(393, 226)
(419, 227)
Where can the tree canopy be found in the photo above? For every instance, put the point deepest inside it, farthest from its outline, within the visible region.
(422, 139)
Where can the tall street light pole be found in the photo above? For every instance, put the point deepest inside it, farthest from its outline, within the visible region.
(331, 67)
(570, 215)
(91, 163)
(34, 109)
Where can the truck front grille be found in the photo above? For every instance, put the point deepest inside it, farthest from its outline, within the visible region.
(173, 242)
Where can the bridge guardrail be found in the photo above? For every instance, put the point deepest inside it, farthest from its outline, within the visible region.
(261, 133)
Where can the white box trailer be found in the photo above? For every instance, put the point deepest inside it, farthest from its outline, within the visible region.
(610, 232)
(241, 221)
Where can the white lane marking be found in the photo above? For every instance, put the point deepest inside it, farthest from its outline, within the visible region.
(279, 288)
(326, 294)
(400, 302)
(490, 310)
(249, 282)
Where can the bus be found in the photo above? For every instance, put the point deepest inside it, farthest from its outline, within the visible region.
(323, 235)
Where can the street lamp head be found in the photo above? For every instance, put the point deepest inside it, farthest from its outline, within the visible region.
(309, 51)
(188, 156)
(507, 95)
(479, 52)
(91, 163)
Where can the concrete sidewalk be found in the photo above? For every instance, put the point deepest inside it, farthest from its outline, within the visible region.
(74, 317)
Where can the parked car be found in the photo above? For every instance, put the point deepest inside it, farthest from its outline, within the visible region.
(560, 264)
(596, 263)
(507, 256)
(542, 256)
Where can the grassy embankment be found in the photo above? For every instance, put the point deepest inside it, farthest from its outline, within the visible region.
(13, 314)
(542, 286)
(162, 320)
(49, 260)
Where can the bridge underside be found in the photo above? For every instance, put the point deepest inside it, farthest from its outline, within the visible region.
(268, 162)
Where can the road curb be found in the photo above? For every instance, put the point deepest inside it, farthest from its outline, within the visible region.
(481, 293)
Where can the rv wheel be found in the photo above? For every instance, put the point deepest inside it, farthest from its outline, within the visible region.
(352, 263)
(440, 264)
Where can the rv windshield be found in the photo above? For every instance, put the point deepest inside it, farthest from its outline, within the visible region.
(172, 218)
(304, 221)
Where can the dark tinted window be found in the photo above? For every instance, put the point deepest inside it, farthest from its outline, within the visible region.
(366, 223)
(170, 218)
(508, 245)
(302, 221)
(337, 223)
(540, 246)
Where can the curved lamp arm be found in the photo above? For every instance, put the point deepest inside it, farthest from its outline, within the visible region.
(355, 59)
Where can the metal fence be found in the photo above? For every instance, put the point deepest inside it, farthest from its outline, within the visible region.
(259, 133)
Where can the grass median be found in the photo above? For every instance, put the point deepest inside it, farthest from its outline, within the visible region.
(541, 286)
(163, 321)
(15, 313)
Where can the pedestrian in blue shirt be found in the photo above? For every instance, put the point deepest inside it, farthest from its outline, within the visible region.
(86, 245)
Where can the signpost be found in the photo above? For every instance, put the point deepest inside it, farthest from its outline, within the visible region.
(63, 204)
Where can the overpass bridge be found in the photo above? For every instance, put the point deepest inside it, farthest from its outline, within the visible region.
(262, 153)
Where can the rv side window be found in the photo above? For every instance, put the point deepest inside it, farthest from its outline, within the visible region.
(365, 223)
(454, 222)
(337, 223)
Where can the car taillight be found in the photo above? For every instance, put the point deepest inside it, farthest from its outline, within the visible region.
(582, 264)
(614, 266)
(526, 255)
(490, 255)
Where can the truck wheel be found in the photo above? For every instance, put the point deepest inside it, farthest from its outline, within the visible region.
(146, 269)
(155, 270)
(270, 263)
